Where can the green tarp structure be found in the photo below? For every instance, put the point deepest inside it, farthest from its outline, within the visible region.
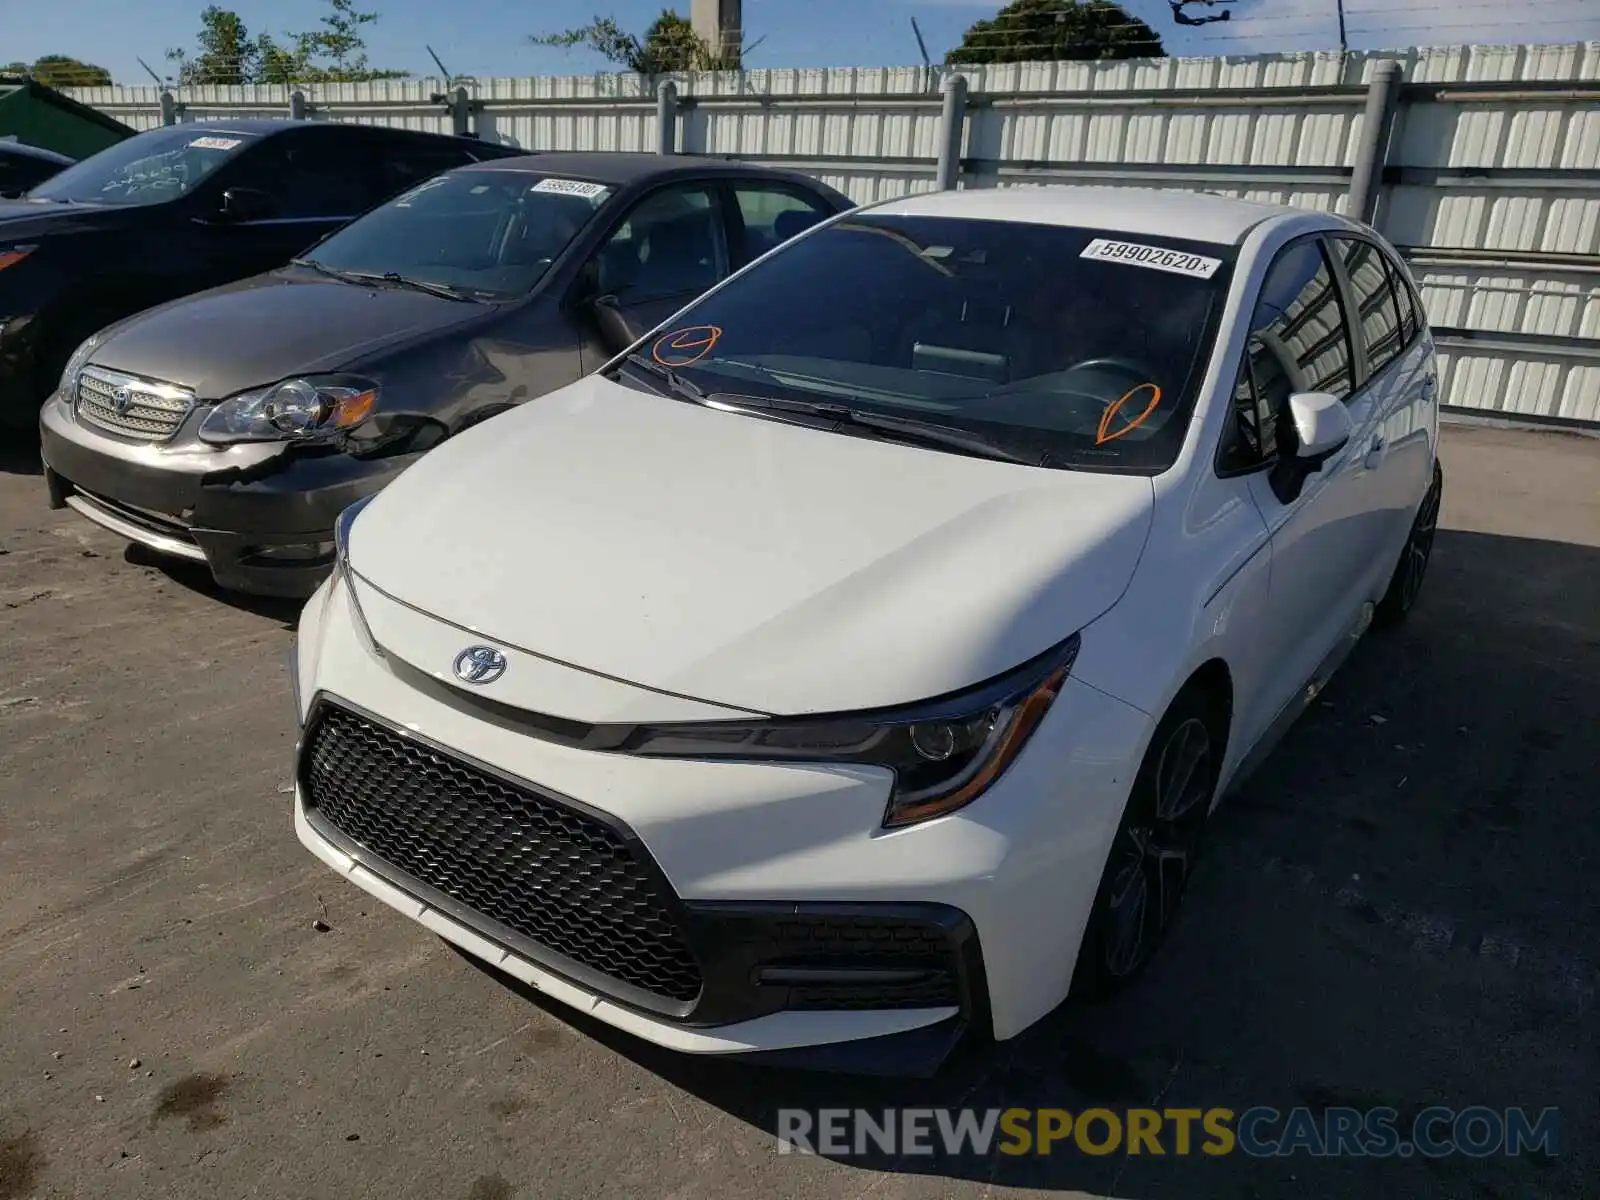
(41, 116)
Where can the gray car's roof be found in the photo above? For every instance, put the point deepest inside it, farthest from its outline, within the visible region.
(613, 166)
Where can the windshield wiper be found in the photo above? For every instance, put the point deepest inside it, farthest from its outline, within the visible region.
(677, 383)
(420, 285)
(322, 269)
(906, 429)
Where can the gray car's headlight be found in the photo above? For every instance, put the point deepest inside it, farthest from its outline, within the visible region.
(307, 408)
(79, 360)
(944, 753)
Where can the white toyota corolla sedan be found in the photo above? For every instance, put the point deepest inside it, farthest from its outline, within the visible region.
(856, 661)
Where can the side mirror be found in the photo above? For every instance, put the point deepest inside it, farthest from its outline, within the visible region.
(1321, 424)
(245, 204)
(1321, 429)
(615, 330)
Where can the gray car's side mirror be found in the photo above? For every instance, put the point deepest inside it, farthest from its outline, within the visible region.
(615, 330)
(1322, 428)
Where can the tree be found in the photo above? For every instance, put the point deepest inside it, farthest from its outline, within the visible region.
(59, 71)
(340, 40)
(669, 44)
(1048, 30)
(226, 53)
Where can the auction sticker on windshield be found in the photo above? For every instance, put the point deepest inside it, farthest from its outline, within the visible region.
(1157, 258)
(569, 187)
(215, 143)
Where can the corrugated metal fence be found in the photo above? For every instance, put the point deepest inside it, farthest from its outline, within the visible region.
(1482, 164)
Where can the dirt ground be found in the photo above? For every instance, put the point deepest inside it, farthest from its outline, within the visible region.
(1400, 909)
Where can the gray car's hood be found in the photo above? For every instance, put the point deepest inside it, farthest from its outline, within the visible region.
(270, 327)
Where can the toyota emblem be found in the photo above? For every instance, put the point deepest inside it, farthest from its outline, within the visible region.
(479, 665)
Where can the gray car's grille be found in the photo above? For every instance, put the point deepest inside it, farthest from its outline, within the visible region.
(135, 408)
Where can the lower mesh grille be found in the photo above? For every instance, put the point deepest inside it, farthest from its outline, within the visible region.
(548, 872)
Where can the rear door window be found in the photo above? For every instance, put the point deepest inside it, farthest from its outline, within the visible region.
(1379, 315)
(772, 214)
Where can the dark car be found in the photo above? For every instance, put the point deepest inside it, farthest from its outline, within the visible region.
(24, 167)
(232, 427)
(177, 210)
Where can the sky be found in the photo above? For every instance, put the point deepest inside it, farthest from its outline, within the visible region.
(490, 37)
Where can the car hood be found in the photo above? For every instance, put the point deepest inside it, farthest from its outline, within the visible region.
(745, 562)
(23, 219)
(269, 327)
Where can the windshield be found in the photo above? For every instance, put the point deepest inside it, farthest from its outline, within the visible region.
(492, 232)
(1058, 346)
(147, 169)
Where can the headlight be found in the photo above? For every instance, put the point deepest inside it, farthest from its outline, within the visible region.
(303, 409)
(10, 256)
(79, 360)
(944, 753)
(341, 568)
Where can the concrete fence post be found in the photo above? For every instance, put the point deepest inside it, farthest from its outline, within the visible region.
(667, 118)
(169, 109)
(952, 131)
(460, 112)
(1372, 152)
(297, 105)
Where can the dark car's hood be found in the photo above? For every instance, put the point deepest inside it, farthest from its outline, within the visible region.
(270, 327)
(24, 219)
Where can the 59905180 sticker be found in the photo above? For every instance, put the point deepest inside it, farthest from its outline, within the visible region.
(1157, 258)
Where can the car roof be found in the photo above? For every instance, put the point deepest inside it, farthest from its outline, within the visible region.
(1193, 216)
(266, 126)
(20, 150)
(618, 167)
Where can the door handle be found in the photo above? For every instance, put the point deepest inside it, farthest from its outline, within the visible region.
(1430, 388)
(1374, 457)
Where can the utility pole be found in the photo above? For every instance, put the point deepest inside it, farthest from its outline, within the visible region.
(1344, 41)
(720, 25)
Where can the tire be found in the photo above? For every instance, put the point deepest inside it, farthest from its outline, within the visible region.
(1405, 585)
(1152, 854)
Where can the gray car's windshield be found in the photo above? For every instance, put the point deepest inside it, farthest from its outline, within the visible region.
(490, 232)
(1046, 344)
(147, 169)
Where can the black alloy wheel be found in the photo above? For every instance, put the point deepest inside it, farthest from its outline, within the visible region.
(1153, 852)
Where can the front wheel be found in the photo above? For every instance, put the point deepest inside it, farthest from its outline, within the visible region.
(1405, 585)
(1153, 851)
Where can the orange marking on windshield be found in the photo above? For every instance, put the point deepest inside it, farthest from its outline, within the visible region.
(684, 347)
(1112, 409)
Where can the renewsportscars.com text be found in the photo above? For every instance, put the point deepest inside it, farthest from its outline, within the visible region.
(1259, 1132)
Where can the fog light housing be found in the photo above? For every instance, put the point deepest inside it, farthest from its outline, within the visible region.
(303, 554)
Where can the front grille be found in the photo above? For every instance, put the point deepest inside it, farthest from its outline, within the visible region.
(554, 875)
(867, 944)
(142, 409)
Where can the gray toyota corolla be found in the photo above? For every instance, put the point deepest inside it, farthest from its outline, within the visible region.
(233, 426)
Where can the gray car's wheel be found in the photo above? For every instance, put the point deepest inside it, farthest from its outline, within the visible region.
(1153, 851)
(1405, 585)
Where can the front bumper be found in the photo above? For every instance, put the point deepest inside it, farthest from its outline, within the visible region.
(259, 517)
(736, 848)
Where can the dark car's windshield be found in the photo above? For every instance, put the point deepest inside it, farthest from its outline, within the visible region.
(147, 169)
(1055, 345)
(493, 232)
